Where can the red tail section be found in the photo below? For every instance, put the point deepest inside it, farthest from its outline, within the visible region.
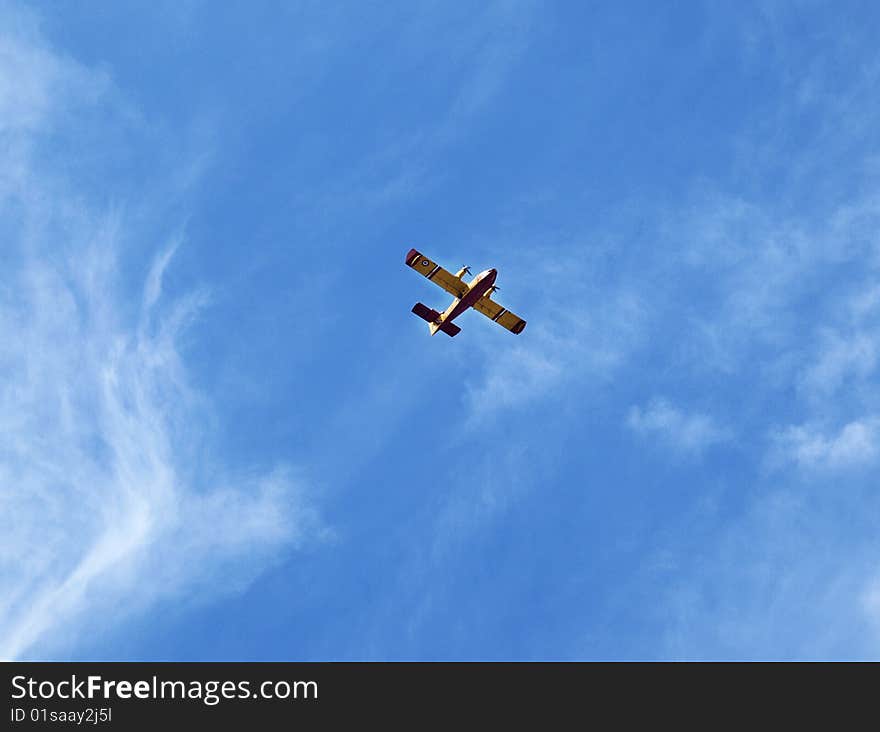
(450, 329)
(433, 317)
(426, 313)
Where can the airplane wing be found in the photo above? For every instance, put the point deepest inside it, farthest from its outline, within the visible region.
(498, 314)
(420, 263)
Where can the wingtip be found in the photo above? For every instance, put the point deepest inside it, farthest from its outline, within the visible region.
(411, 255)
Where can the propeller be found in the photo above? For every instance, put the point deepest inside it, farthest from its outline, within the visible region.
(465, 269)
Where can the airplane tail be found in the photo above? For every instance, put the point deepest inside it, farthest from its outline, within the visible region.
(433, 319)
(450, 329)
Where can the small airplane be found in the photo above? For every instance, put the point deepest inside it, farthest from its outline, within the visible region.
(475, 294)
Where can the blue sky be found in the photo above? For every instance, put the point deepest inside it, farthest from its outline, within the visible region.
(223, 435)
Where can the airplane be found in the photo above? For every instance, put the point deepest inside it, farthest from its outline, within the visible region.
(476, 294)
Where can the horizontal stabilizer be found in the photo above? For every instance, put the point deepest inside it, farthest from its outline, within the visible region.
(426, 313)
(450, 329)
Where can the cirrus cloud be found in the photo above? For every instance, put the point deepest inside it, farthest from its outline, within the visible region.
(111, 495)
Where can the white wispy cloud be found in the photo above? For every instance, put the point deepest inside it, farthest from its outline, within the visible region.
(791, 314)
(686, 431)
(101, 430)
(111, 498)
(839, 358)
(856, 443)
(846, 352)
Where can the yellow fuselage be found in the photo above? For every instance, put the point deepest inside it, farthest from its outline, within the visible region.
(477, 287)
